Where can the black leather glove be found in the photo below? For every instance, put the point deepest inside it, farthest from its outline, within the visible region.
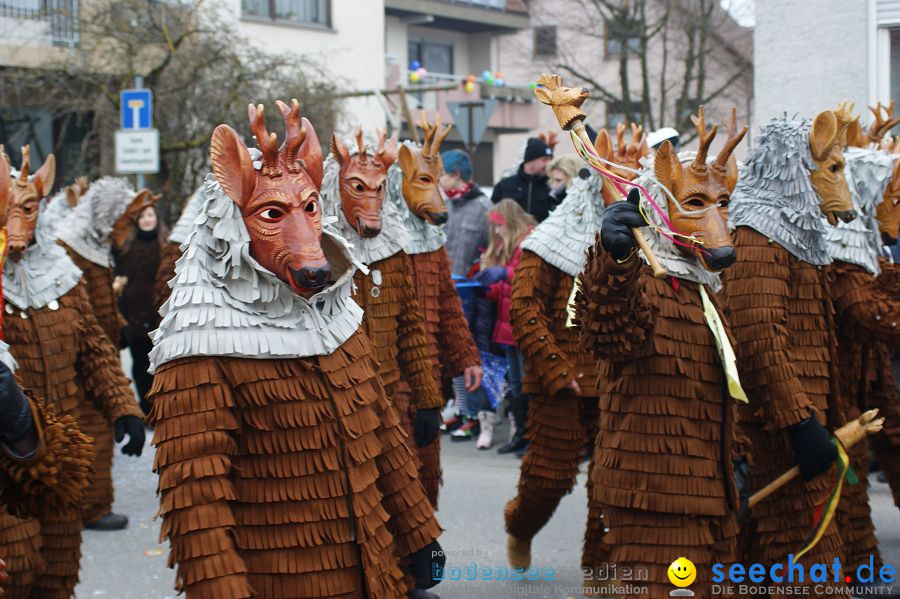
(428, 426)
(741, 472)
(812, 447)
(618, 220)
(16, 419)
(425, 563)
(134, 428)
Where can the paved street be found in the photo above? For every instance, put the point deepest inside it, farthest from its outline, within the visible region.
(132, 564)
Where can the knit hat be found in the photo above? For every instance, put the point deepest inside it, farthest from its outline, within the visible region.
(536, 148)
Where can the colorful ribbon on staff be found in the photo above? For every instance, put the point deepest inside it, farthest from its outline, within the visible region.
(598, 164)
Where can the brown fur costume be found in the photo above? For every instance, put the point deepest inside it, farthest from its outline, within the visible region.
(47, 487)
(64, 354)
(662, 465)
(100, 494)
(560, 423)
(169, 253)
(881, 391)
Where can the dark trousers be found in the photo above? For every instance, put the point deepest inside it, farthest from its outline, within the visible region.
(140, 347)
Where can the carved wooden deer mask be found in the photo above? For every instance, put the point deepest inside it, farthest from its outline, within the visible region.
(888, 211)
(826, 138)
(280, 201)
(363, 179)
(422, 168)
(24, 202)
(627, 155)
(702, 192)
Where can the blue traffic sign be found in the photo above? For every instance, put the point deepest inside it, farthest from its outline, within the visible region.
(136, 108)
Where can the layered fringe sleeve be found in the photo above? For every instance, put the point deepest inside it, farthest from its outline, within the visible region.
(194, 427)
(100, 367)
(611, 307)
(416, 355)
(529, 313)
(455, 342)
(169, 254)
(55, 477)
(756, 292)
(862, 306)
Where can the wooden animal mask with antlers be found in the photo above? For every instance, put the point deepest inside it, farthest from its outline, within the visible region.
(565, 101)
(24, 202)
(888, 211)
(702, 192)
(280, 201)
(124, 224)
(5, 186)
(363, 179)
(76, 190)
(627, 155)
(826, 140)
(422, 168)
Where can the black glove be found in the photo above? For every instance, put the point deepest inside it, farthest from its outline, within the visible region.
(741, 472)
(124, 337)
(134, 427)
(428, 425)
(425, 563)
(618, 220)
(812, 447)
(16, 419)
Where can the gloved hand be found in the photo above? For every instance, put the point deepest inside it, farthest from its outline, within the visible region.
(491, 275)
(812, 447)
(16, 419)
(423, 564)
(618, 220)
(124, 337)
(741, 472)
(427, 427)
(134, 427)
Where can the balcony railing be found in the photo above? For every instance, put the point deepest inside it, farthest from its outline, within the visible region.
(494, 4)
(60, 17)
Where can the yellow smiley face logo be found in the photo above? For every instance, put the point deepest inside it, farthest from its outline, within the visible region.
(682, 572)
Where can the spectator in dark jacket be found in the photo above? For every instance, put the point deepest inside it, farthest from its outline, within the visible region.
(466, 227)
(529, 186)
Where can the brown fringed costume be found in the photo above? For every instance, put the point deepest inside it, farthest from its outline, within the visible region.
(662, 470)
(283, 470)
(392, 318)
(778, 298)
(62, 353)
(84, 235)
(413, 193)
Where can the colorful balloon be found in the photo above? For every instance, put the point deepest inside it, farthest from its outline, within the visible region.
(414, 76)
(422, 72)
(486, 75)
(469, 87)
(414, 65)
(470, 77)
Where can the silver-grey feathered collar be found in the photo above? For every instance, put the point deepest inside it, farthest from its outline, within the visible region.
(859, 241)
(676, 262)
(185, 222)
(368, 250)
(87, 229)
(224, 303)
(775, 196)
(563, 238)
(57, 211)
(44, 274)
(423, 237)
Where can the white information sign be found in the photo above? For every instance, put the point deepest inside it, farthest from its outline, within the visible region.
(137, 151)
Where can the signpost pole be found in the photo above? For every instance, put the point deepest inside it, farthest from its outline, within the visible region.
(139, 177)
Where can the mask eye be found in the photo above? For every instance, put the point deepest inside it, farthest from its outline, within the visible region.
(272, 214)
(311, 207)
(358, 187)
(695, 203)
(381, 188)
(835, 168)
(425, 180)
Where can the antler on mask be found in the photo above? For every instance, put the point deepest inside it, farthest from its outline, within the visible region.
(883, 122)
(434, 136)
(705, 136)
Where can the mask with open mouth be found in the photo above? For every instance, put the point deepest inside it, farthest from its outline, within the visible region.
(363, 180)
(279, 201)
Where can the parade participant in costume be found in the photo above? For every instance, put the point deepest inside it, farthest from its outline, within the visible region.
(866, 319)
(353, 195)
(413, 189)
(62, 351)
(662, 467)
(283, 470)
(86, 236)
(778, 299)
(139, 239)
(170, 251)
(61, 206)
(560, 378)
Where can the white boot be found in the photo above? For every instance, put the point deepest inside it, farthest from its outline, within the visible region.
(512, 427)
(486, 422)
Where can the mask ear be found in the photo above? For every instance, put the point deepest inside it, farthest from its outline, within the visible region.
(407, 161)
(339, 150)
(667, 167)
(603, 145)
(5, 186)
(731, 174)
(822, 134)
(45, 176)
(311, 153)
(231, 164)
